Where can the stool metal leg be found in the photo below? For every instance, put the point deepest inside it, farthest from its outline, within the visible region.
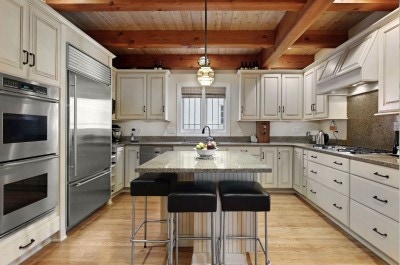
(133, 231)
(145, 220)
(267, 262)
(176, 238)
(223, 238)
(212, 240)
(255, 237)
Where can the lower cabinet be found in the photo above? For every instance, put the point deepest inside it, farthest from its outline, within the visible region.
(132, 158)
(377, 229)
(118, 171)
(298, 170)
(281, 161)
(15, 247)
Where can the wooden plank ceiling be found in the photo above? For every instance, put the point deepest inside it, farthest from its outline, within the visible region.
(274, 34)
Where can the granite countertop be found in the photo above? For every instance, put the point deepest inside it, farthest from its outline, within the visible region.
(187, 161)
(385, 160)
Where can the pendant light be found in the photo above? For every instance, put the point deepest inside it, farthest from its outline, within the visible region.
(205, 75)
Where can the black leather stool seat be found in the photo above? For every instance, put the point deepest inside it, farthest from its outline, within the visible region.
(153, 184)
(243, 196)
(192, 196)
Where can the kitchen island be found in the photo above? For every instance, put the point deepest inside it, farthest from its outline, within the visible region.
(225, 165)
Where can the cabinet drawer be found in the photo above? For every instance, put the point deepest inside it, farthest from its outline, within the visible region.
(380, 231)
(332, 178)
(379, 197)
(336, 162)
(28, 241)
(254, 151)
(384, 175)
(334, 203)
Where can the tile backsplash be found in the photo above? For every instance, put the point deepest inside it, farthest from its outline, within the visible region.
(364, 128)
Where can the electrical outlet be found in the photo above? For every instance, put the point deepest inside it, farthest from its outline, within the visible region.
(297, 130)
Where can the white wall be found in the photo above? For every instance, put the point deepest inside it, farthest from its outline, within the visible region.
(237, 128)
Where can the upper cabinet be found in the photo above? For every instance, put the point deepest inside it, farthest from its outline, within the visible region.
(315, 106)
(141, 95)
(271, 96)
(389, 68)
(281, 96)
(30, 43)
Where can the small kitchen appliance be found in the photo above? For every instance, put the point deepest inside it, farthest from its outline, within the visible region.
(312, 136)
(396, 150)
(322, 138)
(116, 133)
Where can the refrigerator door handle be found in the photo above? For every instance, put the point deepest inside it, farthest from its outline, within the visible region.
(75, 130)
(91, 179)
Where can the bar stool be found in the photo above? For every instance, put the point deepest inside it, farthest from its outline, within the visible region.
(192, 196)
(238, 196)
(149, 184)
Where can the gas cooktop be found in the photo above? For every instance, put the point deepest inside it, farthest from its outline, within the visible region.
(351, 149)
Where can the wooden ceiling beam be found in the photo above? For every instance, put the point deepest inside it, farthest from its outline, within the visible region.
(215, 5)
(222, 39)
(218, 62)
(291, 27)
(184, 38)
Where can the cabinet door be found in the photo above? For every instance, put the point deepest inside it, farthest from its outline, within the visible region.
(321, 106)
(329, 67)
(298, 169)
(269, 156)
(285, 170)
(131, 96)
(309, 94)
(271, 96)
(120, 169)
(132, 158)
(249, 96)
(13, 37)
(45, 34)
(292, 97)
(388, 96)
(155, 96)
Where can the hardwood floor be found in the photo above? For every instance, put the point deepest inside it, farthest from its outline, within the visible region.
(298, 234)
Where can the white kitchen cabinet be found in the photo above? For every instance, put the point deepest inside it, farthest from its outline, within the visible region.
(327, 69)
(281, 161)
(249, 96)
(141, 95)
(118, 171)
(281, 97)
(30, 43)
(298, 170)
(315, 106)
(132, 159)
(388, 95)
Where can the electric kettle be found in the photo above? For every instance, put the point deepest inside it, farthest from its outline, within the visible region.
(322, 138)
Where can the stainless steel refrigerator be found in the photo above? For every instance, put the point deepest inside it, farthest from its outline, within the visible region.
(89, 135)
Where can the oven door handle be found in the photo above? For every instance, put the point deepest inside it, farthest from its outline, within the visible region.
(30, 160)
(93, 178)
(8, 93)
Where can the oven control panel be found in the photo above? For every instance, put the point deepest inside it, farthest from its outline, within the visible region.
(24, 86)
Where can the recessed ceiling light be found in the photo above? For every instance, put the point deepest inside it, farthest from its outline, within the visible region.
(129, 48)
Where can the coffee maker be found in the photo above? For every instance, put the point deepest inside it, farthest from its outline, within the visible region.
(116, 133)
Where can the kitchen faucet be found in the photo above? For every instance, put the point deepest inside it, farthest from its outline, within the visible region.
(209, 138)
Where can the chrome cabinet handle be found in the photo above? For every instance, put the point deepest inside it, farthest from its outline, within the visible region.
(163, 108)
(144, 108)
(279, 109)
(338, 163)
(241, 109)
(314, 172)
(379, 175)
(338, 207)
(338, 182)
(376, 198)
(27, 245)
(313, 191)
(382, 234)
(283, 109)
(314, 156)
(263, 155)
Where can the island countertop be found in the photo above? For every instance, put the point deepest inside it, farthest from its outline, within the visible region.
(188, 161)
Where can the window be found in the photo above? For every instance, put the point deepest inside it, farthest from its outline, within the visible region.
(201, 106)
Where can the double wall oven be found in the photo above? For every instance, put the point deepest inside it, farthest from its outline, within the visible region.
(29, 162)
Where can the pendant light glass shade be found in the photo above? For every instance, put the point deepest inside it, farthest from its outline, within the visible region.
(205, 75)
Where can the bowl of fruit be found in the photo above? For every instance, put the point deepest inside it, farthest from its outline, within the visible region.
(206, 150)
